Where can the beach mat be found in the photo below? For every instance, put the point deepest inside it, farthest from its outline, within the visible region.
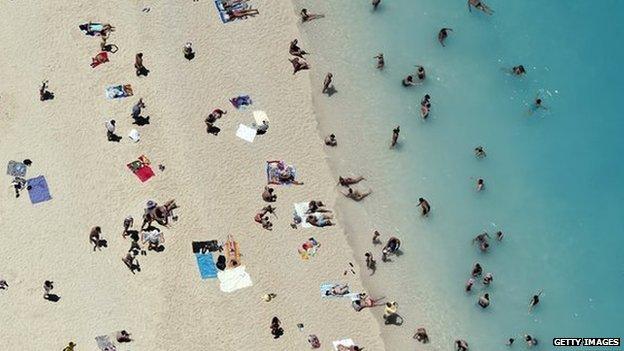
(344, 342)
(16, 169)
(118, 91)
(300, 209)
(104, 343)
(225, 18)
(206, 265)
(246, 133)
(234, 279)
(327, 287)
(272, 173)
(38, 190)
(144, 173)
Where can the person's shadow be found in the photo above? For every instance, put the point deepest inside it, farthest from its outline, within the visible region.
(142, 72)
(141, 121)
(331, 91)
(394, 319)
(114, 137)
(47, 95)
(103, 243)
(52, 297)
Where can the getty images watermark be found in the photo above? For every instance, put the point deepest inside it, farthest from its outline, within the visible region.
(591, 342)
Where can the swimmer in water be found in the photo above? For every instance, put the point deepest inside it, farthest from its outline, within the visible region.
(307, 17)
(476, 270)
(479, 6)
(395, 136)
(376, 240)
(425, 106)
(499, 235)
(425, 208)
(488, 278)
(408, 81)
(481, 238)
(420, 72)
(480, 184)
(537, 105)
(443, 34)
(484, 301)
(479, 152)
(380, 61)
(534, 300)
(469, 284)
(531, 341)
(376, 3)
(518, 70)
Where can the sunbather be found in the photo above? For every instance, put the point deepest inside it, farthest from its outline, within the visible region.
(268, 195)
(298, 65)
(356, 195)
(96, 28)
(295, 50)
(44, 93)
(237, 13)
(346, 181)
(338, 290)
(320, 220)
(99, 59)
(262, 218)
(363, 301)
(307, 17)
(316, 206)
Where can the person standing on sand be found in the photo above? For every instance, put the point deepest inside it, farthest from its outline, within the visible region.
(327, 82)
(3, 284)
(70, 346)
(94, 237)
(48, 285)
(376, 240)
(443, 34)
(370, 262)
(395, 136)
(110, 131)
(136, 109)
(189, 54)
(138, 65)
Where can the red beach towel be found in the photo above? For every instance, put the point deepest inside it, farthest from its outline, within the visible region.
(144, 173)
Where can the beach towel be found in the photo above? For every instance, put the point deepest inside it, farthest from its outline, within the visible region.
(246, 133)
(234, 279)
(260, 116)
(16, 169)
(273, 171)
(99, 59)
(134, 135)
(344, 342)
(104, 343)
(141, 168)
(327, 287)
(225, 18)
(118, 91)
(300, 210)
(203, 246)
(38, 190)
(206, 265)
(241, 101)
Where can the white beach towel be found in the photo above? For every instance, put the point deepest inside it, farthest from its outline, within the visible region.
(246, 133)
(234, 279)
(300, 209)
(327, 286)
(134, 135)
(344, 342)
(260, 116)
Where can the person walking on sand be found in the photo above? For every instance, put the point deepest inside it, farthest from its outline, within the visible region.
(443, 34)
(94, 237)
(424, 206)
(370, 262)
(381, 63)
(307, 17)
(188, 52)
(127, 224)
(110, 131)
(376, 240)
(138, 65)
(48, 285)
(136, 109)
(330, 140)
(327, 82)
(395, 136)
(70, 346)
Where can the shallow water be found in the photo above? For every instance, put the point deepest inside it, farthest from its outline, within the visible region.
(553, 178)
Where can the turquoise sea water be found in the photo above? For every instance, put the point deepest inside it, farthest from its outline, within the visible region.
(554, 179)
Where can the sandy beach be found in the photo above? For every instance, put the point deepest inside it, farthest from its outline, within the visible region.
(216, 181)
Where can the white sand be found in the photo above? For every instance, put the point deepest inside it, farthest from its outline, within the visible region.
(217, 181)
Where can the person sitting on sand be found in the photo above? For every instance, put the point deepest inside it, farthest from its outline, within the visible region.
(390, 309)
(395, 136)
(443, 34)
(421, 335)
(461, 345)
(70, 346)
(285, 174)
(276, 329)
(338, 290)
(381, 63)
(262, 217)
(330, 140)
(127, 224)
(320, 220)
(298, 65)
(131, 261)
(480, 184)
(425, 208)
(18, 184)
(160, 214)
(48, 286)
(307, 17)
(356, 195)
(99, 59)
(44, 93)
(480, 6)
(268, 195)
(123, 336)
(346, 181)
(295, 50)
(314, 341)
(112, 48)
(3, 284)
(188, 52)
(211, 119)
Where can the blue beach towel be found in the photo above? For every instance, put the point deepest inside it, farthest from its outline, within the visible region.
(225, 18)
(206, 265)
(38, 190)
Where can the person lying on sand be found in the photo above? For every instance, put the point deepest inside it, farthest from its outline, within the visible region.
(363, 301)
(317, 206)
(298, 65)
(295, 50)
(356, 195)
(338, 290)
(307, 17)
(327, 82)
(320, 220)
(346, 181)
